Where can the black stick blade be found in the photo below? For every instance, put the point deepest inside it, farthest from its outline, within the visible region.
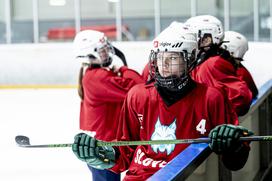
(22, 140)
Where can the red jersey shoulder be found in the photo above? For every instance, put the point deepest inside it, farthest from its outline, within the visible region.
(212, 94)
(213, 91)
(243, 72)
(139, 90)
(97, 73)
(141, 94)
(217, 63)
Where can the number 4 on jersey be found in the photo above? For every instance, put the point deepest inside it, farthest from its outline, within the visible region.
(201, 126)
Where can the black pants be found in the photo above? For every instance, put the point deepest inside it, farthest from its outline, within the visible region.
(103, 175)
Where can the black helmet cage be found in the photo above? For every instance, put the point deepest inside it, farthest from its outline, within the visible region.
(172, 82)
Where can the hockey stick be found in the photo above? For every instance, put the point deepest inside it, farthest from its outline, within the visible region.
(23, 141)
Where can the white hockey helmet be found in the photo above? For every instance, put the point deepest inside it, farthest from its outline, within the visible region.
(177, 24)
(236, 44)
(89, 43)
(174, 39)
(207, 25)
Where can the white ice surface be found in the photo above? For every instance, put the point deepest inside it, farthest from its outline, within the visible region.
(45, 116)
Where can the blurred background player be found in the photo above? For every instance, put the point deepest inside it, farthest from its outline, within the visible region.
(102, 89)
(210, 34)
(237, 45)
(172, 107)
(215, 65)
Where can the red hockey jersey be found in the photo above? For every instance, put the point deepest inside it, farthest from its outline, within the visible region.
(245, 75)
(220, 73)
(146, 117)
(145, 73)
(104, 93)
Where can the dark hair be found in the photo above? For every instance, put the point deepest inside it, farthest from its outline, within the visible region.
(80, 87)
(91, 56)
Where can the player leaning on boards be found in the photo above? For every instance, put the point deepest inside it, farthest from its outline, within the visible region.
(145, 73)
(215, 66)
(237, 45)
(102, 89)
(172, 107)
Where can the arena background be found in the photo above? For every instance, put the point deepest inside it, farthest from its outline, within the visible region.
(38, 73)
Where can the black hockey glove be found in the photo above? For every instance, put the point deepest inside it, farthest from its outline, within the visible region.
(99, 157)
(225, 138)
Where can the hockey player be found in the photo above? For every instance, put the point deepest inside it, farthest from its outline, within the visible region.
(103, 90)
(215, 65)
(145, 73)
(172, 107)
(237, 45)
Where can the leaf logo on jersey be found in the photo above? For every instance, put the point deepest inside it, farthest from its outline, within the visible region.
(162, 132)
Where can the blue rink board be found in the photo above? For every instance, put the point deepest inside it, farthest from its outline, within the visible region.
(184, 163)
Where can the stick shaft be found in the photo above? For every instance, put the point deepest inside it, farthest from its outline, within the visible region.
(256, 138)
(153, 142)
(149, 142)
(179, 141)
(65, 145)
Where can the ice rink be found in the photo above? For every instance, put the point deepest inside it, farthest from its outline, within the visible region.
(45, 116)
(52, 115)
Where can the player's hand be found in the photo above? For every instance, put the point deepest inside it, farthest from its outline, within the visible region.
(225, 138)
(100, 157)
(115, 68)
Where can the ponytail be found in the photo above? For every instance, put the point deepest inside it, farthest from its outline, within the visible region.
(80, 87)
